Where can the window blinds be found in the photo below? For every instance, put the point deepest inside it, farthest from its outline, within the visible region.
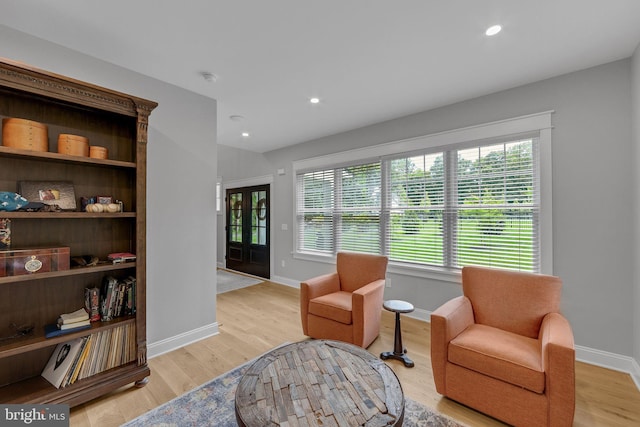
(474, 205)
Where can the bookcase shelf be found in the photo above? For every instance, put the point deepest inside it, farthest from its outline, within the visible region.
(118, 122)
(66, 215)
(37, 390)
(63, 158)
(71, 272)
(37, 340)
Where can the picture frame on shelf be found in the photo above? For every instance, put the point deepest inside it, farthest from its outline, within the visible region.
(59, 193)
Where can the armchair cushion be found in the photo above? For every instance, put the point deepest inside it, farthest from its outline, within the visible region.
(336, 306)
(499, 354)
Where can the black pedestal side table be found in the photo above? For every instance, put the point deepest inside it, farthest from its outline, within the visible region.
(399, 352)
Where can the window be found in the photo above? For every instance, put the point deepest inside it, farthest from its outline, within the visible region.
(340, 208)
(467, 203)
(416, 207)
(219, 195)
(472, 206)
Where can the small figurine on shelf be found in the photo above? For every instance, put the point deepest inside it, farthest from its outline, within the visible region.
(18, 331)
(84, 261)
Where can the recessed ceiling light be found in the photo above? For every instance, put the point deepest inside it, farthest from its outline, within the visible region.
(245, 134)
(493, 30)
(314, 100)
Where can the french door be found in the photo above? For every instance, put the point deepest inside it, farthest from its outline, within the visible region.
(247, 228)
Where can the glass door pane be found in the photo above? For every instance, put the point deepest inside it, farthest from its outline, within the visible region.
(259, 217)
(235, 220)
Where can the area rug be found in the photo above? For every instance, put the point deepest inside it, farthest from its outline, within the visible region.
(212, 404)
(229, 281)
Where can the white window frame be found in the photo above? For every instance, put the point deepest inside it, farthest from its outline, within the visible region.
(219, 196)
(539, 123)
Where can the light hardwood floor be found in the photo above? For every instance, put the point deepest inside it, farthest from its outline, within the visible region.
(255, 319)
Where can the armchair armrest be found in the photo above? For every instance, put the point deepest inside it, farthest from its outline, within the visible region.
(313, 288)
(454, 316)
(321, 285)
(447, 322)
(369, 291)
(558, 358)
(366, 306)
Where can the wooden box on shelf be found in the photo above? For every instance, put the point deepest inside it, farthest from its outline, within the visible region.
(33, 260)
(24, 134)
(118, 122)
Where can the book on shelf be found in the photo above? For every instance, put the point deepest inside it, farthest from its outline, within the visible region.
(83, 356)
(120, 257)
(74, 369)
(74, 317)
(90, 355)
(52, 330)
(107, 300)
(74, 364)
(61, 360)
(131, 296)
(74, 325)
(117, 297)
(92, 303)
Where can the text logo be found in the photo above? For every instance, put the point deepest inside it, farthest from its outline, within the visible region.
(34, 415)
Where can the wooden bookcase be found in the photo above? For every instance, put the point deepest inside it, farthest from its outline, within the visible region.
(118, 122)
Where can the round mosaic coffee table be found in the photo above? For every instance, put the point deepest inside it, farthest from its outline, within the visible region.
(319, 383)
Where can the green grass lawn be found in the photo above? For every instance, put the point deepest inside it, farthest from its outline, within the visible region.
(511, 248)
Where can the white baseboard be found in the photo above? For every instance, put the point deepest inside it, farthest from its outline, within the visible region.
(285, 281)
(635, 375)
(608, 360)
(172, 343)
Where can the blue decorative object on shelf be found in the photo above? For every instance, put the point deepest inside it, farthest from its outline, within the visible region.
(11, 201)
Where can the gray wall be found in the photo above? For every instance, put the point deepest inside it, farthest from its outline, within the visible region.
(592, 181)
(182, 162)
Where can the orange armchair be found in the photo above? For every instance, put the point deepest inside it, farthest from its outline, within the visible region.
(504, 349)
(345, 305)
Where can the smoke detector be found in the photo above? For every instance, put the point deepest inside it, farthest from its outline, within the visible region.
(209, 76)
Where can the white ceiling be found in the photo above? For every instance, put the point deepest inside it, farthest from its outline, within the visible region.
(367, 60)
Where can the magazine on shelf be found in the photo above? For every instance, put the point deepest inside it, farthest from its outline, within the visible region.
(61, 360)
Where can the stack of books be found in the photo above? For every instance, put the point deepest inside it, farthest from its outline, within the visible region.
(68, 322)
(117, 297)
(87, 356)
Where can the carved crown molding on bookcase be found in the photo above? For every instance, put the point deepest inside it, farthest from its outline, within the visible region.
(33, 80)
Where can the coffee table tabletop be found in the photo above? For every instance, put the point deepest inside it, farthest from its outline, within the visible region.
(319, 382)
